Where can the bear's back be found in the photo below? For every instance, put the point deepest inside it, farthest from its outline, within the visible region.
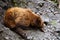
(19, 16)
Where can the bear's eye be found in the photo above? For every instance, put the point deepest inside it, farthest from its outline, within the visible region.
(11, 18)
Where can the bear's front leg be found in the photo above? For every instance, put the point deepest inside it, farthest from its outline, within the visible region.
(21, 32)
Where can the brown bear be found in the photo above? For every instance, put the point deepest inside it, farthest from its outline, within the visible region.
(16, 17)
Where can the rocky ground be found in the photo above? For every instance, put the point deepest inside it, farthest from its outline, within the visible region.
(49, 13)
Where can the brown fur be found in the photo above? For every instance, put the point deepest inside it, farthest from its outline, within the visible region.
(22, 16)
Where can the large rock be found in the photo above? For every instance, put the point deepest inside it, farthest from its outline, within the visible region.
(48, 11)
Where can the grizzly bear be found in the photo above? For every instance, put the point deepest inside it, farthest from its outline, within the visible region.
(16, 17)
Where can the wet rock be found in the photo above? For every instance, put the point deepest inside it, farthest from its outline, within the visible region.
(8, 34)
